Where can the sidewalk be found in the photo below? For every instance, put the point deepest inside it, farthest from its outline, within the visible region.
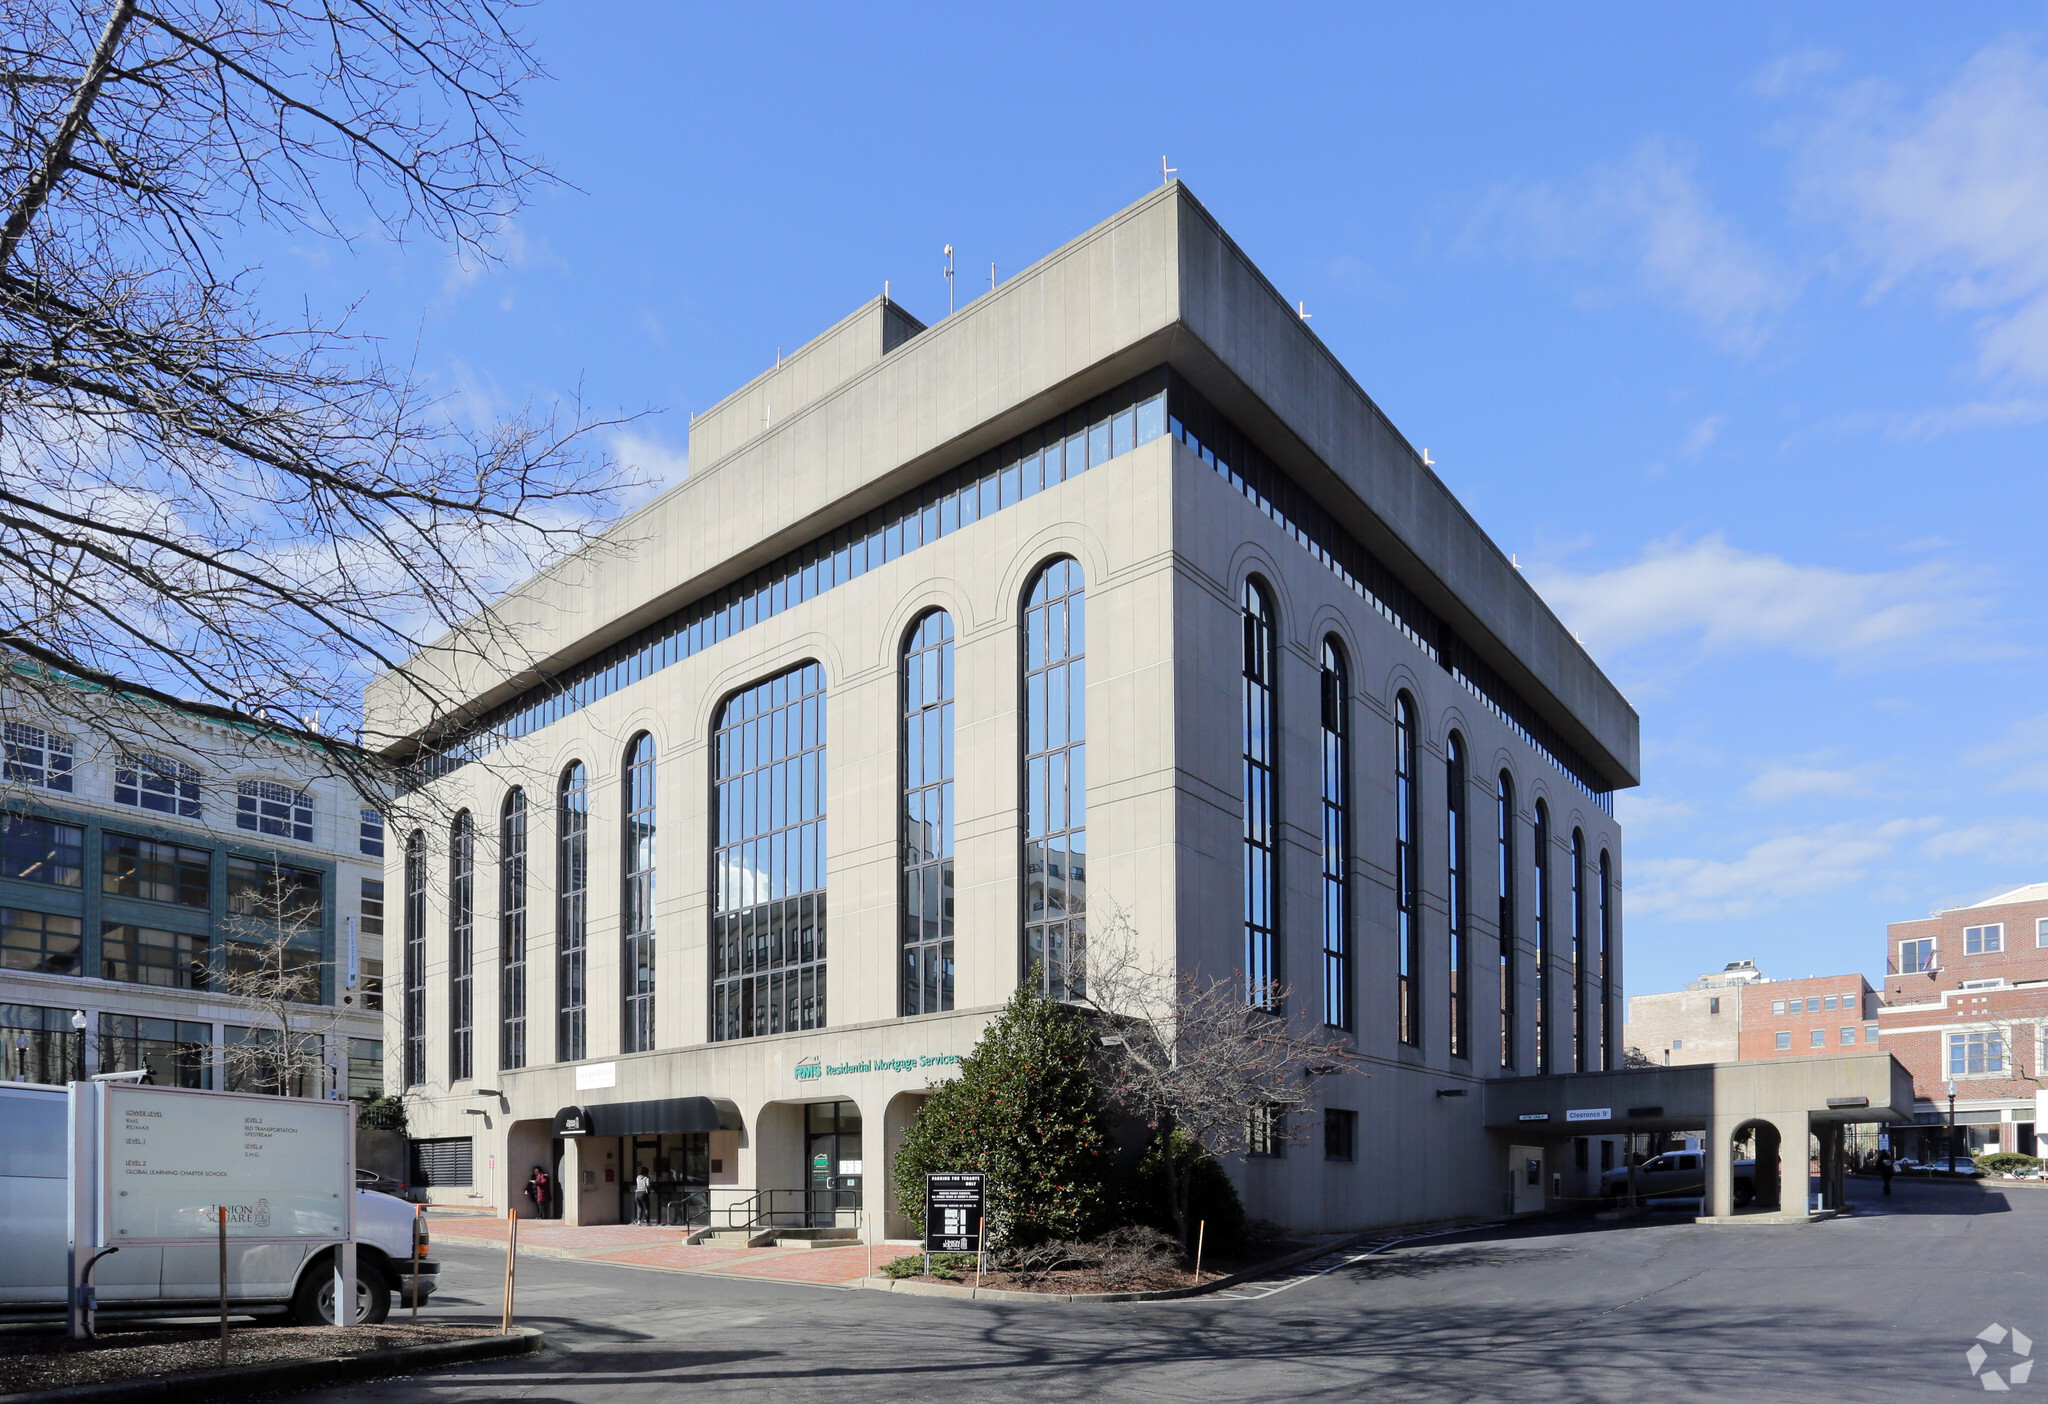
(663, 1249)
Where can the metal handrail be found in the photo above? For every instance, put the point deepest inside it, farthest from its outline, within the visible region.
(808, 1207)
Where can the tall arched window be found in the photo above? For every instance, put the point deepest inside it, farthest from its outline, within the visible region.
(637, 928)
(512, 931)
(1504, 818)
(768, 873)
(1541, 843)
(1056, 780)
(1407, 875)
(1607, 1000)
(1260, 664)
(1336, 691)
(928, 816)
(1581, 1041)
(415, 959)
(1454, 891)
(461, 947)
(572, 910)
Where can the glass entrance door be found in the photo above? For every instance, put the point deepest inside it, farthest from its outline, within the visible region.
(678, 1171)
(832, 1165)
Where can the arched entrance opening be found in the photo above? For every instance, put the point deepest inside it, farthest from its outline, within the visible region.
(1756, 1153)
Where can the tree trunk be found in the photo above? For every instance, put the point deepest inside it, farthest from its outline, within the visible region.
(1178, 1183)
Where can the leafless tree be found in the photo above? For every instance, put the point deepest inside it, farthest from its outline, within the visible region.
(201, 503)
(1202, 1054)
(274, 966)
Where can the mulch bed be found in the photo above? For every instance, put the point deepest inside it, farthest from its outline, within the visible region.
(49, 1360)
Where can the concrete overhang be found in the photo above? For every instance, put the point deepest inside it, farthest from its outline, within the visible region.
(1842, 1088)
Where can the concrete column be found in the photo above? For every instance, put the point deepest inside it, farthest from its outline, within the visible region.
(1720, 1160)
(587, 1197)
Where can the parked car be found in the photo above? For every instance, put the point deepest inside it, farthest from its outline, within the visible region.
(1938, 1166)
(1677, 1175)
(262, 1277)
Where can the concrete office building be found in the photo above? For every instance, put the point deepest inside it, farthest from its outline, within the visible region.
(133, 880)
(1698, 1024)
(1110, 593)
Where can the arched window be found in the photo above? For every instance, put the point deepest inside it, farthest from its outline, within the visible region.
(415, 958)
(1541, 844)
(1607, 1000)
(1454, 891)
(1056, 780)
(1407, 875)
(461, 947)
(1260, 743)
(637, 863)
(572, 910)
(1504, 816)
(768, 873)
(512, 931)
(1336, 691)
(1582, 1043)
(928, 816)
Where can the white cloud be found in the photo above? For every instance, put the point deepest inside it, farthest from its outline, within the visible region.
(1702, 435)
(1954, 190)
(1768, 874)
(2020, 840)
(1977, 414)
(2022, 754)
(1726, 599)
(652, 464)
(1650, 212)
(1785, 782)
(1639, 812)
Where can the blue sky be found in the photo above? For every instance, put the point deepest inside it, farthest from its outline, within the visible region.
(1731, 323)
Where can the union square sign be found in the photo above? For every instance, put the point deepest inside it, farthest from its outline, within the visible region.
(814, 1067)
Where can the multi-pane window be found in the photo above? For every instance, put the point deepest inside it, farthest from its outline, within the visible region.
(30, 755)
(1784, 1040)
(161, 783)
(281, 811)
(38, 850)
(1056, 781)
(1454, 891)
(768, 911)
(174, 1052)
(638, 971)
(365, 1069)
(1265, 1129)
(370, 963)
(1336, 690)
(1340, 1134)
(274, 894)
(1504, 861)
(461, 947)
(143, 955)
(1817, 1038)
(1581, 1043)
(1975, 1054)
(1260, 843)
(1407, 875)
(572, 910)
(40, 1045)
(1916, 956)
(1608, 1033)
(155, 871)
(40, 941)
(1543, 1011)
(258, 1062)
(369, 840)
(1848, 1033)
(1984, 940)
(415, 919)
(512, 931)
(2041, 931)
(928, 816)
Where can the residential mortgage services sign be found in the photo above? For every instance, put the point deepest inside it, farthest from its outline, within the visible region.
(282, 1166)
(813, 1068)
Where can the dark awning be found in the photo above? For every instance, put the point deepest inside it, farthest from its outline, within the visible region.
(668, 1116)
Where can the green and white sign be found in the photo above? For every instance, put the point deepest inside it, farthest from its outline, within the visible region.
(814, 1067)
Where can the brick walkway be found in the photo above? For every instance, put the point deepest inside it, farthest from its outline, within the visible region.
(663, 1249)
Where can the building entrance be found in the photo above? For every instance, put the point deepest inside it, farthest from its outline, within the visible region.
(832, 1165)
(678, 1171)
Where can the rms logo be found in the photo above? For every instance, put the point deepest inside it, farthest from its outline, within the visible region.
(809, 1068)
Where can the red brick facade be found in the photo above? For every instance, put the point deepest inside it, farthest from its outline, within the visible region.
(1997, 991)
(1822, 1014)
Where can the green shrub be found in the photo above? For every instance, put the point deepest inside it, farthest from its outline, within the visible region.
(1025, 1112)
(384, 1114)
(2006, 1163)
(1211, 1195)
(908, 1266)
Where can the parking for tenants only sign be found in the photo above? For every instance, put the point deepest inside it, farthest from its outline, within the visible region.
(955, 1204)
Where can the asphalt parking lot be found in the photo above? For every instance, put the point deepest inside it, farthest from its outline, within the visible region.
(1882, 1306)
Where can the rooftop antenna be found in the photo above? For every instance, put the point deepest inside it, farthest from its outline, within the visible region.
(991, 277)
(1427, 461)
(949, 280)
(885, 289)
(1166, 172)
(1301, 310)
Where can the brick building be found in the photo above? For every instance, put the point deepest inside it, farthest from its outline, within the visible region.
(1698, 1024)
(1819, 1014)
(1965, 999)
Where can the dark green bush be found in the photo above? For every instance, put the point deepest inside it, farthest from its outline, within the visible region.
(384, 1114)
(1211, 1196)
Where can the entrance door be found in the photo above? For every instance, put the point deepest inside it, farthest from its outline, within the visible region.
(678, 1170)
(1525, 1169)
(832, 1164)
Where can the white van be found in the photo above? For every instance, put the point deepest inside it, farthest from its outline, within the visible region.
(144, 1278)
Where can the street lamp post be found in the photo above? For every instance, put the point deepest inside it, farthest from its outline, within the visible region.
(1951, 1126)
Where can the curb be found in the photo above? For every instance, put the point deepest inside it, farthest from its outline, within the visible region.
(1164, 1294)
(202, 1385)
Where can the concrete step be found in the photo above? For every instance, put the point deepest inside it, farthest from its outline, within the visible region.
(732, 1238)
(845, 1238)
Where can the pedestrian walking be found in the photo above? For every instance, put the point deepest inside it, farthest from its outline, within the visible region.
(643, 1199)
(1884, 1169)
(538, 1188)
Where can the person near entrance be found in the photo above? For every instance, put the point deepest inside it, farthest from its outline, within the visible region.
(1884, 1169)
(537, 1192)
(643, 1199)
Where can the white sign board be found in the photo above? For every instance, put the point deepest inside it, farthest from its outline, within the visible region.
(1590, 1114)
(281, 1165)
(595, 1075)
